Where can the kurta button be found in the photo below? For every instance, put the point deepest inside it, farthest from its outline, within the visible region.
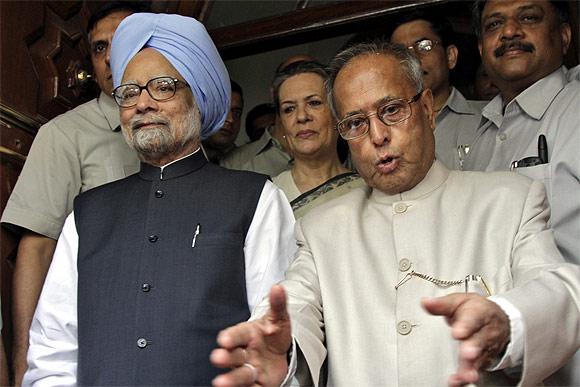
(400, 208)
(141, 342)
(502, 137)
(153, 238)
(404, 264)
(158, 193)
(404, 327)
(145, 287)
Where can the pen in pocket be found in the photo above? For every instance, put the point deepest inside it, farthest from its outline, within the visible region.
(195, 234)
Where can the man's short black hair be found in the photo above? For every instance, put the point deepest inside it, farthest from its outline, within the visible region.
(561, 8)
(236, 88)
(439, 24)
(257, 111)
(116, 6)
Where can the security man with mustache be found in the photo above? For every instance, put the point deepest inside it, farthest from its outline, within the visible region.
(531, 127)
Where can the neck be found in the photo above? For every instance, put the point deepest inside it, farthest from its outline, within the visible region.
(310, 173)
(160, 160)
(440, 98)
(509, 89)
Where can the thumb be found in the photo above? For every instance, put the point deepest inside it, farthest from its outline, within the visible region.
(443, 306)
(278, 312)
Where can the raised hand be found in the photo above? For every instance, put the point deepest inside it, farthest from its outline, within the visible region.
(256, 351)
(480, 325)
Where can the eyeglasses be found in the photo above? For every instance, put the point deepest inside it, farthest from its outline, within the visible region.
(160, 89)
(423, 46)
(389, 113)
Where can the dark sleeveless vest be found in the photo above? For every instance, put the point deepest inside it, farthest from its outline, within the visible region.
(151, 301)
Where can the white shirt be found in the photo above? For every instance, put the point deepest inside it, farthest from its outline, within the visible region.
(52, 356)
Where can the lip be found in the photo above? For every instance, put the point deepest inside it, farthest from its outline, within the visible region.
(145, 125)
(387, 164)
(306, 133)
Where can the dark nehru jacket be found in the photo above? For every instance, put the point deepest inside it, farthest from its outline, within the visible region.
(151, 300)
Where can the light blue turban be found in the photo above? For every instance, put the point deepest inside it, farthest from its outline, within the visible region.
(185, 43)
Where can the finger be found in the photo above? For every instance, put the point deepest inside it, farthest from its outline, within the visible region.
(467, 322)
(444, 306)
(464, 378)
(240, 376)
(224, 358)
(237, 336)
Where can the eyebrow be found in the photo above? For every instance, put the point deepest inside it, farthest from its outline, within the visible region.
(306, 98)
(100, 41)
(378, 103)
(519, 9)
(418, 40)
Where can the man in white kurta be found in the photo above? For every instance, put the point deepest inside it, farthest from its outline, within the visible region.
(377, 268)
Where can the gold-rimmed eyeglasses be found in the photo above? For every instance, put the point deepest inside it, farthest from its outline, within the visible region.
(160, 89)
(389, 113)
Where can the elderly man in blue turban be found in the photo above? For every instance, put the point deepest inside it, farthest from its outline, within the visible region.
(150, 268)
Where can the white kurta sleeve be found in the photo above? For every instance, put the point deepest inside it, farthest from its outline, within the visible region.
(270, 245)
(52, 355)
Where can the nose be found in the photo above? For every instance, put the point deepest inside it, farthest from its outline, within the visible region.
(511, 29)
(379, 132)
(230, 117)
(145, 102)
(302, 114)
(108, 56)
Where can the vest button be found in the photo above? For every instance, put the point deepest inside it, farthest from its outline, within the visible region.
(153, 238)
(142, 343)
(404, 264)
(400, 208)
(158, 193)
(404, 327)
(145, 287)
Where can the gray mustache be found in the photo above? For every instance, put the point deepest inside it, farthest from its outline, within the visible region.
(514, 44)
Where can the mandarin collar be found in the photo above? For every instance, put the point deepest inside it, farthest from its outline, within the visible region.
(436, 176)
(175, 169)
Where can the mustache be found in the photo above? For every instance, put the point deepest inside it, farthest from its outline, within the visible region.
(137, 122)
(518, 45)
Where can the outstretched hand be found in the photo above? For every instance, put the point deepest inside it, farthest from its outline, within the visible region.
(481, 327)
(256, 351)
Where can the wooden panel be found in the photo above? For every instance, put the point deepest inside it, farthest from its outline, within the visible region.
(304, 25)
(40, 41)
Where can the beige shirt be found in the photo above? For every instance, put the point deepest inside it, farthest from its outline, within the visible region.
(455, 128)
(355, 249)
(72, 153)
(262, 156)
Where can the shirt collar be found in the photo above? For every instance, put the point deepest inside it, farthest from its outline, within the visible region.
(458, 104)
(435, 177)
(174, 169)
(534, 100)
(110, 110)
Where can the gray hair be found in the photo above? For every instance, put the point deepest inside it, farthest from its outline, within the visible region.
(409, 62)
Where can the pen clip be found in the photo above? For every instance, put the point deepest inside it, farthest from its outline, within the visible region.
(195, 234)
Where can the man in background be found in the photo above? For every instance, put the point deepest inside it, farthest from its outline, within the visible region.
(259, 119)
(72, 153)
(220, 144)
(431, 38)
(531, 127)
